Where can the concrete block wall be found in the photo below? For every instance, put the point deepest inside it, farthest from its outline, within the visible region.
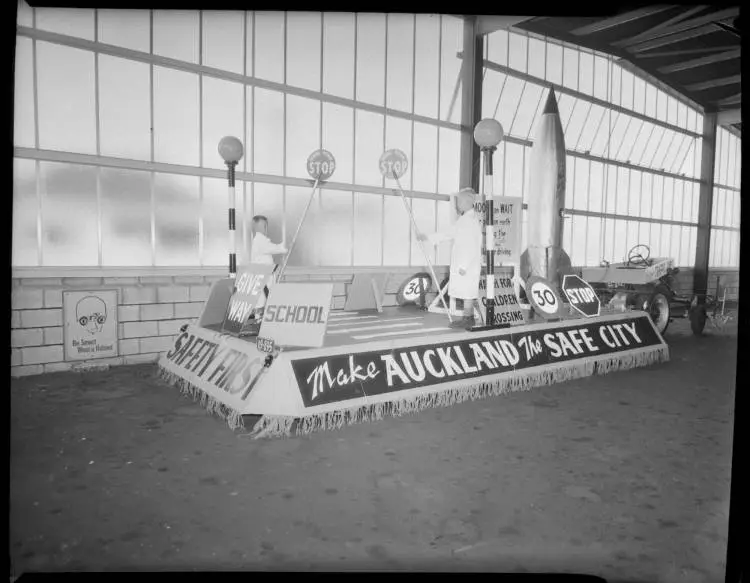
(150, 312)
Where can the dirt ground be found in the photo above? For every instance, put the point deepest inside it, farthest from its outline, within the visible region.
(624, 476)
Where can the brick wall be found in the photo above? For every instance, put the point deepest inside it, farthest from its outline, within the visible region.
(150, 312)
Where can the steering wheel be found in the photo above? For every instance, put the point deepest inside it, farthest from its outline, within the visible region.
(636, 258)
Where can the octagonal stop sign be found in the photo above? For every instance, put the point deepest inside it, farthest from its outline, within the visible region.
(581, 296)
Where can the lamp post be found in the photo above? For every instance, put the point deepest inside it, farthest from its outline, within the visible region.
(231, 150)
(488, 133)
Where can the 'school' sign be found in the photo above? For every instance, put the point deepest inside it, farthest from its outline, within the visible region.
(296, 314)
(328, 379)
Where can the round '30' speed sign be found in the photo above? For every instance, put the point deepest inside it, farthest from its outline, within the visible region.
(543, 298)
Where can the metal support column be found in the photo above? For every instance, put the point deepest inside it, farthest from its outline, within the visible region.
(471, 102)
(703, 239)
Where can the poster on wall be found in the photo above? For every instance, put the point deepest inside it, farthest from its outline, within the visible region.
(507, 228)
(90, 324)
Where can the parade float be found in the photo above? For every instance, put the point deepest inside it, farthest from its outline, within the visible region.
(312, 368)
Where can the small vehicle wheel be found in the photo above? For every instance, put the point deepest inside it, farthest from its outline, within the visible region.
(410, 291)
(658, 308)
(698, 318)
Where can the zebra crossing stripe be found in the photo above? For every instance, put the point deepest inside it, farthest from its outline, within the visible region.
(401, 332)
(383, 327)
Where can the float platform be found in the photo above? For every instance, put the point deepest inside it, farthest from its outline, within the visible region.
(397, 361)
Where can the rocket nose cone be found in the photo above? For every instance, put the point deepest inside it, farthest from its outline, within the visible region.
(551, 105)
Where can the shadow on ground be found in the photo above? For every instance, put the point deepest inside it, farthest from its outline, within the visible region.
(624, 476)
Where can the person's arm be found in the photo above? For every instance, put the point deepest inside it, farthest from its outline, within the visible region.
(447, 234)
(276, 248)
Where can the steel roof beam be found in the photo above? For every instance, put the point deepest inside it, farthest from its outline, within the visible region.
(619, 20)
(717, 58)
(724, 81)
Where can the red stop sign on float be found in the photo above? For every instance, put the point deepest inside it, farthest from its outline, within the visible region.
(581, 296)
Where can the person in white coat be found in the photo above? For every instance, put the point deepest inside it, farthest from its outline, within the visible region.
(466, 255)
(262, 251)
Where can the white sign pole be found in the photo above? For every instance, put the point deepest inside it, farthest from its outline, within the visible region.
(384, 163)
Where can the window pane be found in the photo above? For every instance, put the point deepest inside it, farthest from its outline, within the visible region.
(215, 231)
(639, 97)
(400, 61)
(295, 201)
(517, 52)
(370, 58)
(125, 28)
(618, 135)
(450, 69)
(658, 160)
(338, 54)
(66, 98)
(593, 236)
(269, 132)
(78, 22)
(176, 34)
(334, 232)
(610, 192)
(449, 176)
(368, 228)
(647, 154)
(554, 63)
(425, 157)
(570, 68)
(657, 193)
(577, 120)
(369, 148)
(681, 115)
(677, 153)
(124, 108)
(668, 198)
(661, 105)
(176, 128)
(628, 139)
(601, 77)
(223, 43)
(424, 216)
(671, 110)
(177, 210)
(627, 89)
(634, 202)
(427, 65)
(492, 88)
(397, 243)
(592, 128)
(126, 217)
(623, 189)
(338, 138)
(444, 220)
(398, 135)
(650, 100)
(536, 58)
(526, 110)
(246, 164)
(646, 198)
(513, 170)
(303, 50)
(596, 187)
(303, 133)
(601, 144)
(268, 200)
(581, 184)
(509, 101)
(269, 46)
(608, 240)
(23, 115)
(497, 47)
(25, 212)
(577, 226)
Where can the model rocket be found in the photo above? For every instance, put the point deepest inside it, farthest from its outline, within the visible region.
(544, 255)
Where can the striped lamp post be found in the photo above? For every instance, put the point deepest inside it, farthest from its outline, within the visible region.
(230, 148)
(488, 133)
